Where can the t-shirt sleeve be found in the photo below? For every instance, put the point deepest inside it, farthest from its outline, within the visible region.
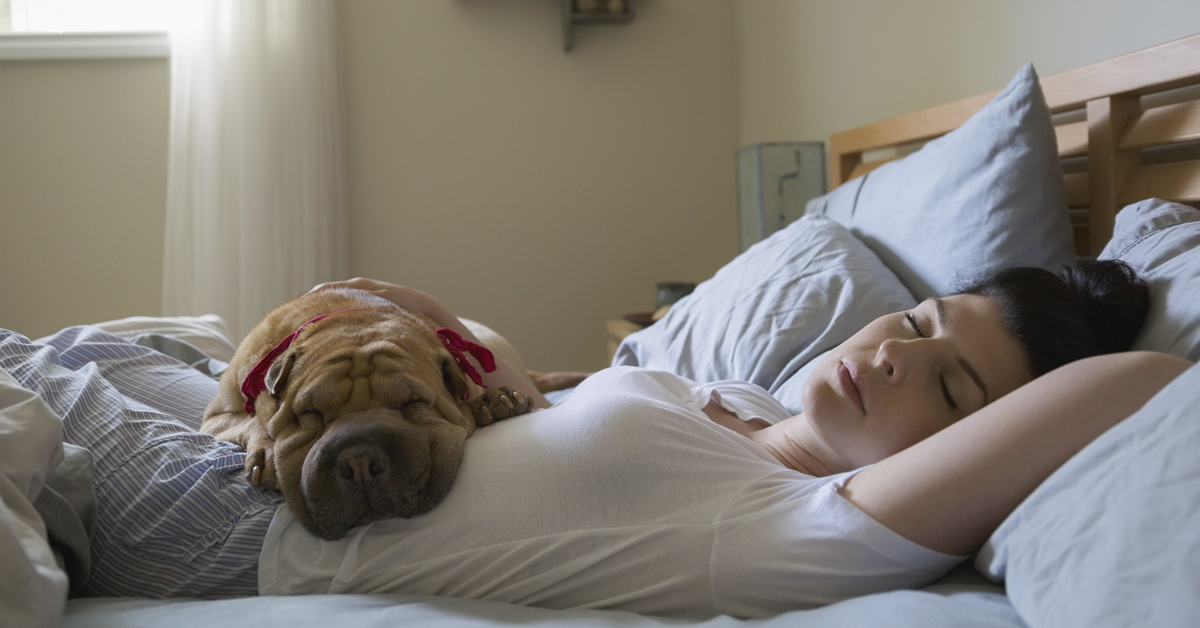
(793, 541)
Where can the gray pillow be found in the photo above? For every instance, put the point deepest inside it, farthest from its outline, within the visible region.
(771, 310)
(987, 195)
(1112, 538)
(1162, 239)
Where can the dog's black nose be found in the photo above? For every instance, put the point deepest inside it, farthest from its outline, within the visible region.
(364, 469)
(361, 464)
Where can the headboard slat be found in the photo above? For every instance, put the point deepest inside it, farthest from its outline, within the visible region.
(1108, 168)
(1109, 144)
(1158, 68)
(1163, 125)
(1072, 139)
(1178, 181)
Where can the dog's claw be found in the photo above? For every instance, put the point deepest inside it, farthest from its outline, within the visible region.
(256, 475)
(501, 402)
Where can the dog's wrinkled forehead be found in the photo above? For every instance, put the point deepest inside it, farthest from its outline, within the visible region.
(332, 374)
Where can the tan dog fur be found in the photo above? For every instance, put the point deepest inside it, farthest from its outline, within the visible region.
(370, 395)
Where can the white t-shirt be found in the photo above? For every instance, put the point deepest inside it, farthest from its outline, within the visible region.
(623, 496)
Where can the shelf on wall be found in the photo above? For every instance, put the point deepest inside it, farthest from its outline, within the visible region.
(571, 18)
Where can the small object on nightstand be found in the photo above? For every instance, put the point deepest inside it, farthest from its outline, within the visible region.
(668, 292)
(641, 319)
(775, 181)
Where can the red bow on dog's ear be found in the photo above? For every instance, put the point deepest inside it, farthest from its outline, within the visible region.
(257, 380)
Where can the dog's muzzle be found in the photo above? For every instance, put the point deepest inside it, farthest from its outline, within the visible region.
(364, 469)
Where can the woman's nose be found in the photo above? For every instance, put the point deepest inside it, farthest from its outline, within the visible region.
(897, 358)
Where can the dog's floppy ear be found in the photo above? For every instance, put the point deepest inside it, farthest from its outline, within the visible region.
(278, 373)
(455, 382)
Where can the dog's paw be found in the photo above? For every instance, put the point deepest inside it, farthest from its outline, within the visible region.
(500, 402)
(260, 464)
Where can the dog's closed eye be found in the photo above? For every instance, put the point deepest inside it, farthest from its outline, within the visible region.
(310, 414)
(413, 398)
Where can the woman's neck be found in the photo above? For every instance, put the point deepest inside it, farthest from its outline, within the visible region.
(794, 444)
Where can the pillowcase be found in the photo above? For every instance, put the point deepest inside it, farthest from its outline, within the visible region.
(987, 195)
(770, 311)
(1162, 240)
(1112, 538)
(208, 332)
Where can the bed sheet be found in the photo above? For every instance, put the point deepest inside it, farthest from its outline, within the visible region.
(961, 599)
(957, 600)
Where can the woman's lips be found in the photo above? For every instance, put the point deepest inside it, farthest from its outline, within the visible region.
(851, 385)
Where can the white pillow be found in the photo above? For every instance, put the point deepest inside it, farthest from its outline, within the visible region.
(1162, 240)
(1112, 538)
(209, 332)
(987, 195)
(764, 315)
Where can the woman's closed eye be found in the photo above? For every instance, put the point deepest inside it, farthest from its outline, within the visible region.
(912, 321)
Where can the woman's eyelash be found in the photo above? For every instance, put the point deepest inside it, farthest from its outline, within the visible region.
(912, 320)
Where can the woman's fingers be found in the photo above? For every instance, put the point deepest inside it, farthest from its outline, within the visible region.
(358, 283)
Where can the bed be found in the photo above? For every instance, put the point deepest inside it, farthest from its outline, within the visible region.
(1101, 160)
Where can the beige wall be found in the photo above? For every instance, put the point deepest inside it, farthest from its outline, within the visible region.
(807, 69)
(83, 163)
(537, 191)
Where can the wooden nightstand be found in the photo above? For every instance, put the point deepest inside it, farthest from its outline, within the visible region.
(617, 329)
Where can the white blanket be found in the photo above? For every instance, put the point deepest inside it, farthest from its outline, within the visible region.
(34, 586)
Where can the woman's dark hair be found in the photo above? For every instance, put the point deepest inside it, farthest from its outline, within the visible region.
(1090, 308)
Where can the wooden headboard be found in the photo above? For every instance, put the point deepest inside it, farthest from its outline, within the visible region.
(1127, 130)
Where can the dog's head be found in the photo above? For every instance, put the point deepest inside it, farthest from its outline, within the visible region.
(366, 410)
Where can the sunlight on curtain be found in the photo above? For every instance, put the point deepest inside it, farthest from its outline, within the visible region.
(255, 193)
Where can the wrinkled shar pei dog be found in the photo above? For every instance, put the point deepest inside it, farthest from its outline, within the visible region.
(354, 408)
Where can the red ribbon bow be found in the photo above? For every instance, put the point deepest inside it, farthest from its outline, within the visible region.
(256, 381)
(456, 345)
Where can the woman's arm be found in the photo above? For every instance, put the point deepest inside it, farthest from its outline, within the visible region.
(952, 490)
(417, 301)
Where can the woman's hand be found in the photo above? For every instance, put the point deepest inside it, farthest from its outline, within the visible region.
(403, 296)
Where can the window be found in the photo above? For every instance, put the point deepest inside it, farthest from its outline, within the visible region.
(77, 16)
(47, 29)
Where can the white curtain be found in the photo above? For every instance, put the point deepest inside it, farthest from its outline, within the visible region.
(255, 194)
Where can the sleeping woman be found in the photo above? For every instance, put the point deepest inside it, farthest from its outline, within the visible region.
(642, 490)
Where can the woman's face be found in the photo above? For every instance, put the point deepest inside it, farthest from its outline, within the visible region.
(908, 375)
